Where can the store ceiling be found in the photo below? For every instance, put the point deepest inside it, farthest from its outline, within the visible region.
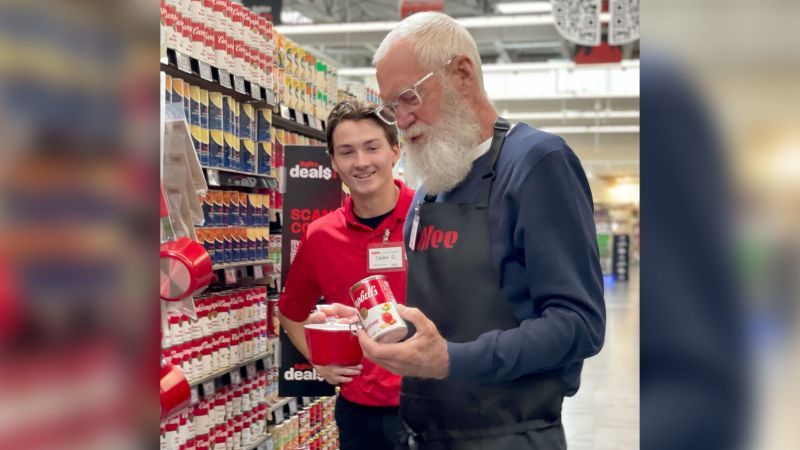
(502, 43)
(348, 32)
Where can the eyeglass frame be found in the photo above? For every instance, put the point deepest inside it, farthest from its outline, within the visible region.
(413, 88)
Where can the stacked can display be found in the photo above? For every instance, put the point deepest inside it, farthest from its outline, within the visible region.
(312, 428)
(222, 33)
(303, 81)
(228, 417)
(236, 226)
(225, 133)
(232, 326)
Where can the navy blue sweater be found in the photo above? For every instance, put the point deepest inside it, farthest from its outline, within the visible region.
(541, 227)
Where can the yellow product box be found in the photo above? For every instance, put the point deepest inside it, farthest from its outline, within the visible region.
(177, 91)
(167, 89)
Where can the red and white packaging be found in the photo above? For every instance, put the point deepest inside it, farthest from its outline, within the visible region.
(198, 33)
(231, 38)
(218, 14)
(186, 361)
(183, 430)
(221, 49)
(207, 14)
(377, 309)
(194, 9)
(186, 33)
(209, 55)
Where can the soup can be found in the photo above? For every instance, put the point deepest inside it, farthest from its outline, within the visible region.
(377, 309)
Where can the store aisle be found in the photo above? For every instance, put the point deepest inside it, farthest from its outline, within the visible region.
(605, 412)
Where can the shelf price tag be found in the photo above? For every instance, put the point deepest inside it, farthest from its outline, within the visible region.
(230, 275)
(238, 84)
(258, 272)
(195, 396)
(236, 377)
(271, 97)
(208, 388)
(278, 415)
(255, 91)
(205, 71)
(184, 62)
(292, 406)
(251, 370)
(225, 78)
(285, 112)
(212, 176)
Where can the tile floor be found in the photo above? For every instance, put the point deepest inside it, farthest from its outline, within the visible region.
(604, 414)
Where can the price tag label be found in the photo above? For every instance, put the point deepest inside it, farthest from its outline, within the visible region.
(258, 272)
(303, 119)
(195, 395)
(238, 84)
(271, 97)
(306, 400)
(230, 275)
(236, 377)
(267, 363)
(292, 406)
(278, 415)
(212, 176)
(251, 370)
(184, 62)
(317, 123)
(285, 112)
(255, 91)
(225, 78)
(208, 388)
(205, 71)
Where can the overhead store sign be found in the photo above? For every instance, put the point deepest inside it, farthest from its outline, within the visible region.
(409, 7)
(624, 25)
(578, 20)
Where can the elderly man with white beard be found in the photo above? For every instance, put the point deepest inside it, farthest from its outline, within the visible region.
(504, 290)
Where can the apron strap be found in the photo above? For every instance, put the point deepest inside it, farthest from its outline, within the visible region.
(479, 433)
(501, 127)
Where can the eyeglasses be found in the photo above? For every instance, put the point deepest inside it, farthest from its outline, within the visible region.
(410, 99)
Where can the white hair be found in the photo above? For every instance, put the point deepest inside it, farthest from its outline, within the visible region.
(436, 37)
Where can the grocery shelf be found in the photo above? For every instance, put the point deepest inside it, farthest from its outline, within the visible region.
(283, 123)
(258, 442)
(170, 67)
(243, 264)
(270, 343)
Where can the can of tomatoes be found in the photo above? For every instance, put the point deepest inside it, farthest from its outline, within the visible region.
(377, 309)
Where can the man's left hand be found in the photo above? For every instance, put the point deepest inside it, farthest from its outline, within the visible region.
(424, 355)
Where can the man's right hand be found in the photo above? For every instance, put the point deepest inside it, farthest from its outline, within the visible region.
(339, 374)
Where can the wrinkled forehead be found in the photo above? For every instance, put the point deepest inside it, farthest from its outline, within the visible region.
(398, 70)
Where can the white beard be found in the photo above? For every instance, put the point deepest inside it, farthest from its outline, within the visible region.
(443, 159)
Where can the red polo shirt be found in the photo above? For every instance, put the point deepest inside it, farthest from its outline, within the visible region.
(331, 258)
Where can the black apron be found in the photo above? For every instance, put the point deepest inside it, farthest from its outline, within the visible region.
(458, 287)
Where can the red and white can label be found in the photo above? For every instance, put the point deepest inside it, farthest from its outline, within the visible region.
(377, 309)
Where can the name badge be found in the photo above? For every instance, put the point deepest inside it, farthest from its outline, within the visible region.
(386, 257)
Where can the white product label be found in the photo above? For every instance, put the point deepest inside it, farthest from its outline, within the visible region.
(385, 257)
(380, 319)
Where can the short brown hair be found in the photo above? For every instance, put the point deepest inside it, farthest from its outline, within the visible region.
(357, 110)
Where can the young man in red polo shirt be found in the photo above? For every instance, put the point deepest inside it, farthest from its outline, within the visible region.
(332, 257)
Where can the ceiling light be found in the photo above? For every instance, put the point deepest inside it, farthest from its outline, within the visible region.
(524, 7)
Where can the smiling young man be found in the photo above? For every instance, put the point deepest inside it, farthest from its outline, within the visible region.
(333, 256)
